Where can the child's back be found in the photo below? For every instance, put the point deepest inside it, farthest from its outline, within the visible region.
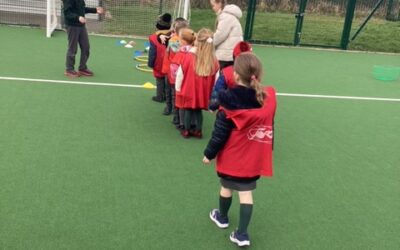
(242, 142)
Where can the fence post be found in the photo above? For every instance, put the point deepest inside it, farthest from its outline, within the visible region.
(351, 6)
(160, 10)
(251, 9)
(299, 25)
(389, 14)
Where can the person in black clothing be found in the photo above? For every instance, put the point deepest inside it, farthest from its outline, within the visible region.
(242, 142)
(156, 55)
(74, 15)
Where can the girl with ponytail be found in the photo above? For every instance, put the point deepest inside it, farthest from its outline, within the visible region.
(248, 72)
(194, 82)
(242, 142)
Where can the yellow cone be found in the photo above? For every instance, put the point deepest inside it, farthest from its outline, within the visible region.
(148, 85)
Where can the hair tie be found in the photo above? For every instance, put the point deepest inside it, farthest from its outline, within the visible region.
(253, 77)
(209, 40)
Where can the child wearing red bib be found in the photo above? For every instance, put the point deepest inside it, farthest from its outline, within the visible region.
(186, 41)
(195, 80)
(172, 49)
(156, 55)
(242, 142)
(225, 79)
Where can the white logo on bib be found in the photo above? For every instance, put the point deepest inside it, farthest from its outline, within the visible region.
(261, 133)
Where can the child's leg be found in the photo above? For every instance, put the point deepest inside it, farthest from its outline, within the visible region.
(175, 110)
(246, 209)
(160, 90)
(225, 201)
(173, 98)
(181, 117)
(188, 118)
(168, 99)
(198, 119)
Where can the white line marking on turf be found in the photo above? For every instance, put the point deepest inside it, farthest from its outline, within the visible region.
(72, 82)
(140, 86)
(341, 97)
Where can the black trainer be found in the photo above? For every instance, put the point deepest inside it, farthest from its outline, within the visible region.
(158, 99)
(167, 111)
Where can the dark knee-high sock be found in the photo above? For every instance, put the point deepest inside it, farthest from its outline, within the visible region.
(224, 205)
(199, 119)
(188, 118)
(181, 116)
(245, 216)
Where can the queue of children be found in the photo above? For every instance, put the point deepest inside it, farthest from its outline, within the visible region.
(190, 77)
(185, 68)
(242, 139)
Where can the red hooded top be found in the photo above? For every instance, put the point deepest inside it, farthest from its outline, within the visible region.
(169, 67)
(196, 90)
(160, 52)
(248, 151)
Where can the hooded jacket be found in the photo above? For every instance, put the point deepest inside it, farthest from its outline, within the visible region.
(228, 33)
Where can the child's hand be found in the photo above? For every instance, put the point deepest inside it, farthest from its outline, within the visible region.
(82, 19)
(206, 160)
(100, 10)
(163, 38)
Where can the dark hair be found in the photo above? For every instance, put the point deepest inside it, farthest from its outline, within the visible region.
(179, 23)
(249, 69)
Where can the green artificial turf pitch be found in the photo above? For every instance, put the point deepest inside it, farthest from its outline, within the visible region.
(99, 167)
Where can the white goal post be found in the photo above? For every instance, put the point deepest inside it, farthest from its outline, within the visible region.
(51, 17)
(182, 9)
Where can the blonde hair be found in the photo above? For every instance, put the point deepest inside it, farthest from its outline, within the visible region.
(249, 69)
(205, 56)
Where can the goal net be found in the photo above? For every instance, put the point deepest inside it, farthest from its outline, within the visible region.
(138, 17)
(122, 17)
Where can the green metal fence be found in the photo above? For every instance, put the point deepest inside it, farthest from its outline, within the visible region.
(322, 23)
(354, 24)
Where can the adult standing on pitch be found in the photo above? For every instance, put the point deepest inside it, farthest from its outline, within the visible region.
(74, 15)
(228, 30)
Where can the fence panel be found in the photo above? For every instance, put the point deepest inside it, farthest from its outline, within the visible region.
(275, 21)
(323, 22)
(378, 34)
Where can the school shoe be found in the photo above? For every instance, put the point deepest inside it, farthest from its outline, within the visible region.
(85, 72)
(158, 99)
(71, 73)
(196, 133)
(185, 133)
(240, 239)
(221, 222)
(175, 120)
(167, 111)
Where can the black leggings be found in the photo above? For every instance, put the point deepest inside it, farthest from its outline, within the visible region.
(195, 115)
